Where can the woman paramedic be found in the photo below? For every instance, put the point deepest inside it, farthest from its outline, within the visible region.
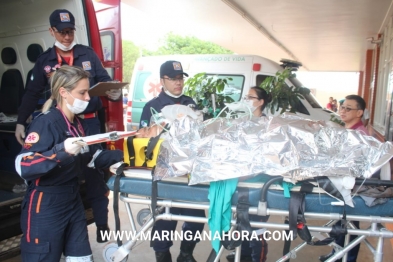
(53, 219)
(255, 251)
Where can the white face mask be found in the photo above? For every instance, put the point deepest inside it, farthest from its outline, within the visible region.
(78, 106)
(170, 94)
(63, 47)
(250, 104)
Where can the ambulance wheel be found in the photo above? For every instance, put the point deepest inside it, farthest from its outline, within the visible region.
(108, 251)
(142, 215)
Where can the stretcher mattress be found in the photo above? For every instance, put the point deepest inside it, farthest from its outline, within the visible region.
(138, 182)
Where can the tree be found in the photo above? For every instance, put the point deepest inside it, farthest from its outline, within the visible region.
(175, 44)
(130, 54)
(171, 44)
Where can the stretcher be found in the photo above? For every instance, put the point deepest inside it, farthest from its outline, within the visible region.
(175, 192)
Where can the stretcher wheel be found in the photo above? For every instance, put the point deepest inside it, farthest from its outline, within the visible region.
(142, 215)
(108, 250)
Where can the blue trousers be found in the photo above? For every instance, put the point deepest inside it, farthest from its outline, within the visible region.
(96, 188)
(53, 223)
(163, 225)
(256, 249)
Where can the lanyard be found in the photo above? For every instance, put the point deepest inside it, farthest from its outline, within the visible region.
(60, 60)
(74, 132)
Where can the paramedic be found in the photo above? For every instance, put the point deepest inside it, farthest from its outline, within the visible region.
(255, 250)
(66, 51)
(172, 81)
(351, 112)
(53, 218)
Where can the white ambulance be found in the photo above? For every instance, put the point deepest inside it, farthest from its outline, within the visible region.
(245, 70)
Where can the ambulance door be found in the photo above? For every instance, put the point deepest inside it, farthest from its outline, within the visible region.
(109, 47)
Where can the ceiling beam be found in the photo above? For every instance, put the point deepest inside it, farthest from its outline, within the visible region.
(260, 28)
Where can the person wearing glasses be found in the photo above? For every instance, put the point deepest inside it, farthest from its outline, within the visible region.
(67, 52)
(254, 250)
(172, 81)
(53, 156)
(351, 112)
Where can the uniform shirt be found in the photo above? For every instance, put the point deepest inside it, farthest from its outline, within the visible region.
(43, 158)
(159, 103)
(46, 64)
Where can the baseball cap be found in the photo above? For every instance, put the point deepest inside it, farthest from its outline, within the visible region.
(62, 18)
(171, 69)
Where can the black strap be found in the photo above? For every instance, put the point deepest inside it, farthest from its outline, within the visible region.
(131, 150)
(296, 214)
(116, 190)
(306, 187)
(151, 145)
(296, 207)
(287, 241)
(242, 216)
(242, 220)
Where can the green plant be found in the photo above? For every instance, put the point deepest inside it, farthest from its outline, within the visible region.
(201, 87)
(334, 119)
(284, 97)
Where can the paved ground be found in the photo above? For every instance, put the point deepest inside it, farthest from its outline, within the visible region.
(142, 251)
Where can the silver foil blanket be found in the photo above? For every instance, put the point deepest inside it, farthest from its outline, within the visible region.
(286, 145)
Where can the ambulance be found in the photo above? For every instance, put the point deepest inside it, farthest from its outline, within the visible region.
(24, 35)
(244, 70)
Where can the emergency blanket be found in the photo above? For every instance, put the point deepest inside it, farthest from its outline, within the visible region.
(285, 145)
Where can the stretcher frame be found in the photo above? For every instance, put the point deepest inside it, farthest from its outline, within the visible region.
(375, 230)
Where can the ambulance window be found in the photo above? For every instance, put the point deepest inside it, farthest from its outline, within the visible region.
(302, 109)
(260, 79)
(108, 49)
(235, 86)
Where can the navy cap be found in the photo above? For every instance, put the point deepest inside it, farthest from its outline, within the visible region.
(171, 69)
(62, 18)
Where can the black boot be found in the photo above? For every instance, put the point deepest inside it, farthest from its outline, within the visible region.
(326, 257)
(243, 258)
(163, 256)
(101, 233)
(186, 249)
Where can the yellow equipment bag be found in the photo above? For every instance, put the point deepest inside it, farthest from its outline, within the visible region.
(135, 150)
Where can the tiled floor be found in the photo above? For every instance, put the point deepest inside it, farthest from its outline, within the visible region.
(142, 251)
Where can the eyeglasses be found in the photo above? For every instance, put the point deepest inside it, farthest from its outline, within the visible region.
(65, 32)
(247, 97)
(347, 109)
(174, 80)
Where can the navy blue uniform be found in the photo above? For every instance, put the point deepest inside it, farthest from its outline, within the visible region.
(53, 219)
(158, 103)
(46, 64)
